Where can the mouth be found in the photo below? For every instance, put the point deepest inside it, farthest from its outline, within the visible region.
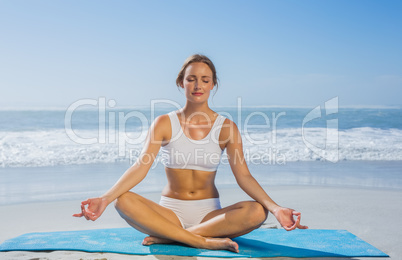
(197, 93)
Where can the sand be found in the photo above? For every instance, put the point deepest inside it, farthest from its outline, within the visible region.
(371, 214)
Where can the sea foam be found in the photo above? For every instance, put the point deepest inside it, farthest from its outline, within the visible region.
(55, 147)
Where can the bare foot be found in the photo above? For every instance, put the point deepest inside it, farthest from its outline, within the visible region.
(222, 243)
(155, 240)
(210, 243)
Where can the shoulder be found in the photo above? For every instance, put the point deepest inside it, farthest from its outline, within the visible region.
(161, 127)
(228, 124)
(162, 120)
(229, 132)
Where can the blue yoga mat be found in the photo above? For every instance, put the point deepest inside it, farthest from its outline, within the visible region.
(258, 243)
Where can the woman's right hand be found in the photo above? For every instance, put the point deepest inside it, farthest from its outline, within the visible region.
(92, 209)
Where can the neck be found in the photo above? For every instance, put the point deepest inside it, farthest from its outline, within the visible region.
(201, 110)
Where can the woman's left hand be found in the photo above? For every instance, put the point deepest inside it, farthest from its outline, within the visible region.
(286, 219)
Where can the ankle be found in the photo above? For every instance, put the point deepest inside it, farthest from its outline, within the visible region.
(201, 242)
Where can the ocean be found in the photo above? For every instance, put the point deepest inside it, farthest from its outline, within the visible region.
(36, 138)
(41, 149)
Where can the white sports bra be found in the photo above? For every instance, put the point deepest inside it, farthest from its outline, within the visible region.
(185, 153)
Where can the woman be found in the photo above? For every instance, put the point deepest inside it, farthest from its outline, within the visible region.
(192, 141)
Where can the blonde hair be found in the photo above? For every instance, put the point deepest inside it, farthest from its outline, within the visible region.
(197, 58)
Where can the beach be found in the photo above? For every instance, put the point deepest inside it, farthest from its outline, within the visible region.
(356, 185)
(368, 212)
(307, 95)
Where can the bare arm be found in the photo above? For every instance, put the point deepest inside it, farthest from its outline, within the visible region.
(131, 177)
(246, 181)
(249, 184)
(137, 172)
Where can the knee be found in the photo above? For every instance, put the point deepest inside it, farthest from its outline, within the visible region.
(125, 200)
(256, 214)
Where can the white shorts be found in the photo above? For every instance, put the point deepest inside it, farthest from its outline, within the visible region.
(190, 212)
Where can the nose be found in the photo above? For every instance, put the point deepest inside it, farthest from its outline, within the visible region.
(196, 85)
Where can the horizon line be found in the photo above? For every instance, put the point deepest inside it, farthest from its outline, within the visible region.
(49, 108)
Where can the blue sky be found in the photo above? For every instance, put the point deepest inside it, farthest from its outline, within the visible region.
(288, 53)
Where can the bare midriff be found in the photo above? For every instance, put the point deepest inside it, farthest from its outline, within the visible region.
(187, 184)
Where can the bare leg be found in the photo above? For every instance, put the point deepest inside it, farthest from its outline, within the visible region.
(157, 221)
(232, 221)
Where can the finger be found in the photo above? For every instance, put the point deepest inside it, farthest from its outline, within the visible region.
(298, 220)
(297, 223)
(93, 217)
(292, 227)
(302, 227)
(296, 213)
(287, 229)
(84, 212)
(78, 215)
(86, 202)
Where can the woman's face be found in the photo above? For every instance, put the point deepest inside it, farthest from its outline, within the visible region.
(197, 82)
